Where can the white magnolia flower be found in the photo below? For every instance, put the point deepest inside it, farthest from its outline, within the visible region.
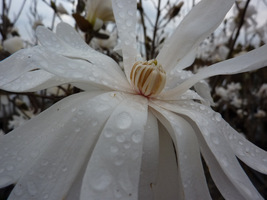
(115, 139)
(13, 44)
(98, 12)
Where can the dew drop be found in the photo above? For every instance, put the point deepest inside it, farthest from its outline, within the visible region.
(102, 108)
(202, 107)
(124, 120)
(31, 188)
(102, 181)
(215, 140)
(217, 117)
(10, 167)
(18, 190)
(108, 133)
(120, 137)
(137, 137)
(114, 149)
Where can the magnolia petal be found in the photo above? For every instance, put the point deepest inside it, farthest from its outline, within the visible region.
(168, 184)
(55, 165)
(149, 166)
(77, 70)
(198, 24)
(34, 81)
(188, 154)
(125, 16)
(203, 89)
(14, 66)
(68, 42)
(252, 60)
(114, 168)
(250, 154)
(22, 145)
(231, 180)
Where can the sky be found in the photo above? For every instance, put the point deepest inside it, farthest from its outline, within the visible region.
(47, 13)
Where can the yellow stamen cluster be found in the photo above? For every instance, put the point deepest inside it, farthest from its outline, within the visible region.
(148, 78)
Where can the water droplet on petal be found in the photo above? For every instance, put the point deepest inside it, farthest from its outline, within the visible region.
(108, 133)
(101, 180)
(217, 117)
(124, 120)
(31, 188)
(137, 137)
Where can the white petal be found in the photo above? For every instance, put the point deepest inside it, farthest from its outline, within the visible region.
(201, 21)
(203, 89)
(225, 170)
(78, 70)
(14, 66)
(188, 154)
(168, 185)
(37, 154)
(125, 16)
(68, 42)
(114, 168)
(246, 151)
(252, 60)
(34, 81)
(150, 159)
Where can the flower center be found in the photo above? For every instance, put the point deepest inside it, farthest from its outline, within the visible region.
(148, 78)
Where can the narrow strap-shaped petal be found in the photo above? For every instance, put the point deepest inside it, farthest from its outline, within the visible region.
(54, 170)
(125, 16)
(14, 66)
(114, 168)
(76, 70)
(150, 159)
(34, 81)
(188, 154)
(225, 169)
(21, 145)
(168, 185)
(68, 42)
(198, 24)
(250, 154)
(252, 60)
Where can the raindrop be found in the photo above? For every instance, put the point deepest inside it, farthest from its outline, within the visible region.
(217, 117)
(124, 120)
(31, 188)
(102, 181)
(120, 137)
(215, 140)
(64, 169)
(114, 149)
(137, 136)
(102, 107)
(94, 122)
(10, 167)
(108, 133)
(18, 190)
(202, 107)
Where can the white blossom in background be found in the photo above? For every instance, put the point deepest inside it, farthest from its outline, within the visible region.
(126, 136)
(13, 44)
(262, 91)
(98, 12)
(230, 94)
(109, 43)
(61, 9)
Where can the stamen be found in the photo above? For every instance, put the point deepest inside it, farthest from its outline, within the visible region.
(148, 77)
